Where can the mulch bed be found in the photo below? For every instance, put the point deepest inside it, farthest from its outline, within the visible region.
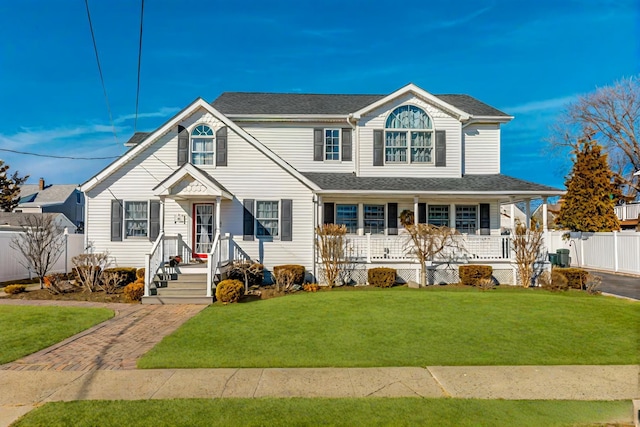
(77, 295)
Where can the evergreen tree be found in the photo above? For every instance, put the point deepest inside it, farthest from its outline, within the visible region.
(589, 202)
(9, 188)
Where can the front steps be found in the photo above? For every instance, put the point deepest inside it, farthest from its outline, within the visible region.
(185, 284)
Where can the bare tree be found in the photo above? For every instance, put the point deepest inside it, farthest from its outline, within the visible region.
(332, 245)
(426, 241)
(284, 279)
(611, 114)
(249, 271)
(527, 248)
(41, 243)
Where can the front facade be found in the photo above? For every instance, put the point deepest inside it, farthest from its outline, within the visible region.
(252, 174)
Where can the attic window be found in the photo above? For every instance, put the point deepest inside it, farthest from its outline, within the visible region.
(202, 145)
(408, 136)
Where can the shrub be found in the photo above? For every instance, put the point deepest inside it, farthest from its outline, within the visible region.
(114, 278)
(592, 284)
(229, 291)
(140, 273)
(14, 289)
(382, 277)
(576, 277)
(56, 283)
(470, 275)
(254, 272)
(485, 284)
(134, 291)
(311, 287)
(298, 272)
(554, 281)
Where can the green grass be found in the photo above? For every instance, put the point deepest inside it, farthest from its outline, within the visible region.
(407, 327)
(329, 412)
(27, 329)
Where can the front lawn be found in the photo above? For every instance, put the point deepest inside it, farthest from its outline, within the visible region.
(407, 327)
(330, 412)
(27, 329)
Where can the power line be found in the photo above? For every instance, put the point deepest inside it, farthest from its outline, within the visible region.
(135, 122)
(58, 157)
(104, 88)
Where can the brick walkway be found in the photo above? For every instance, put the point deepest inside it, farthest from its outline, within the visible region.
(112, 345)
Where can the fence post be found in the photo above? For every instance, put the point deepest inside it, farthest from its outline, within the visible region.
(368, 248)
(581, 251)
(615, 251)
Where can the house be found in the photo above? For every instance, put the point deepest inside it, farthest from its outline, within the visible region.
(15, 221)
(252, 174)
(553, 209)
(61, 198)
(507, 212)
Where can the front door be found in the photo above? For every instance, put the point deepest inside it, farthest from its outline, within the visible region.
(203, 229)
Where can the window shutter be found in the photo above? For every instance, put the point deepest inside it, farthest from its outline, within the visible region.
(346, 145)
(221, 147)
(422, 213)
(183, 145)
(441, 148)
(248, 220)
(329, 217)
(116, 220)
(286, 234)
(485, 219)
(154, 219)
(318, 145)
(392, 219)
(378, 148)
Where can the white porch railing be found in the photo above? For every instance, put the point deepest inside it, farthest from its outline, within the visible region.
(631, 211)
(372, 249)
(153, 262)
(213, 263)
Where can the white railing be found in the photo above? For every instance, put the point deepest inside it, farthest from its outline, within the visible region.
(213, 263)
(631, 211)
(153, 262)
(371, 248)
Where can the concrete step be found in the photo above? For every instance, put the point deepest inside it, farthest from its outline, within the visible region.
(184, 292)
(185, 269)
(190, 278)
(184, 285)
(157, 299)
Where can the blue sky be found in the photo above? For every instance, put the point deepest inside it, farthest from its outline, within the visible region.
(527, 58)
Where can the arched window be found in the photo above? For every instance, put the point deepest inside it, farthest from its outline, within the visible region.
(202, 145)
(408, 136)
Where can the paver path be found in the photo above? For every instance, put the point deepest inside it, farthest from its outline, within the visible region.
(114, 344)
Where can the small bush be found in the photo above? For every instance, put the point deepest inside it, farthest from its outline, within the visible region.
(382, 277)
(122, 275)
(470, 275)
(255, 272)
(14, 289)
(554, 281)
(485, 284)
(229, 291)
(140, 273)
(592, 284)
(134, 291)
(297, 270)
(311, 287)
(576, 277)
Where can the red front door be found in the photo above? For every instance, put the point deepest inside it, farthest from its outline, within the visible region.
(203, 229)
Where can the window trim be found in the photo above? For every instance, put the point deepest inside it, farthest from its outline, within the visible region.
(477, 225)
(125, 234)
(448, 209)
(409, 132)
(355, 232)
(383, 219)
(211, 137)
(324, 144)
(259, 226)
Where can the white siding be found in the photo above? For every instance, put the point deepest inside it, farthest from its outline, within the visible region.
(441, 121)
(482, 149)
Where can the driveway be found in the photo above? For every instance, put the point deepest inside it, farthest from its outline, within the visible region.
(618, 284)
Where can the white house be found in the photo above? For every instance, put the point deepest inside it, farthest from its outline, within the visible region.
(252, 174)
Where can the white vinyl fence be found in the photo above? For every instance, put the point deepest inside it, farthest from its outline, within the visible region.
(11, 267)
(615, 251)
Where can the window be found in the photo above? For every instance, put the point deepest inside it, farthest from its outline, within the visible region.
(202, 145)
(439, 215)
(266, 219)
(466, 219)
(332, 144)
(374, 219)
(136, 219)
(347, 215)
(412, 144)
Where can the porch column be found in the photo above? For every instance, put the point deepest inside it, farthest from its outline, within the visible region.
(218, 221)
(544, 215)
(527, 212)
(415, 210)
(512, 214)
(320, 211)
(452, 215)
(162, 201)
(360, 219)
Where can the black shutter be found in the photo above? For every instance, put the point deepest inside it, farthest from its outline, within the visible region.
(346, 145)
(441, 148)
(154, 219)
(221, 147)
(422, 213)
(183, 145)
(329, 217)
(485, 219)
(116, 220)
(248, 220)
(392, 219)
(378, 148)
(318, 145)
(287, 220)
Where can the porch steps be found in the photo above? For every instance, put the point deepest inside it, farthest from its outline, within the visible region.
(184, 284)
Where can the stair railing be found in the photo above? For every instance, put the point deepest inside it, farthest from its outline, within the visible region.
(213, 264)
(153, 263)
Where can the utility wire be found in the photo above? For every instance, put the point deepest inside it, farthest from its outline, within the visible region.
(58, 157)
(135, 123)
(104, 88)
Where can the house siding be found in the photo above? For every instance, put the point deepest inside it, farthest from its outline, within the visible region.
(481, 149)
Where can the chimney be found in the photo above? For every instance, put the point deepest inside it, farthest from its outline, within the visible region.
(41, 184)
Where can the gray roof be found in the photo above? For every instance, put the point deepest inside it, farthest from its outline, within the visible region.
(468, 183)
(336, 104)
(56, 194)
(137, 138)
(16, 219)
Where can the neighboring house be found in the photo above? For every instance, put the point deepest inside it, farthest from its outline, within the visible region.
(553, 209)
(14, 221)
(267, 168)
(509, 214)
(62, 198)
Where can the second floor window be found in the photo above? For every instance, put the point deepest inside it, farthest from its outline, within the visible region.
(332, 144)
(202, 145)
(408, 136)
